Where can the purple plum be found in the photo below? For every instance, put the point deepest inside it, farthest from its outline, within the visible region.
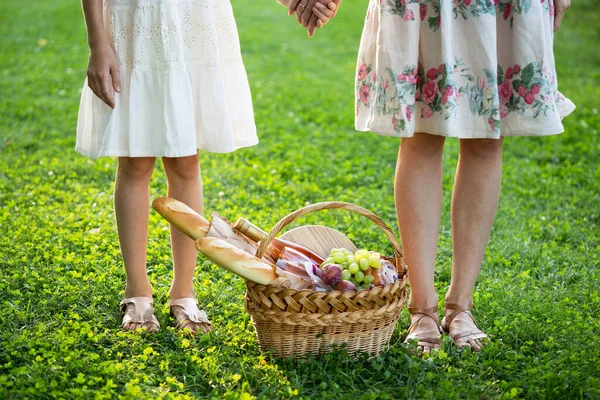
(345, 285)
(331, 274)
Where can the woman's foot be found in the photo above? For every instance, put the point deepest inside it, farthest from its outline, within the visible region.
(188, 316)
(425, 327)
(459, 323)
(137, 312)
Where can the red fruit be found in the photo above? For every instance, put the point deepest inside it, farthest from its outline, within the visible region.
(509, 73)
(516, 69)
(529, 98)
(345, 285)
(331, 274)
(535, 89)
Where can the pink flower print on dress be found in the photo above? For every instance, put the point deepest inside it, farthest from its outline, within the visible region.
(535, 89)
(426, 112)
(522, 91)
(503, 111)
(429, 91)
(409, 15)
(408, 113)
(365, 91)
(516, 69)
(423, 11)
(507, 11)
(492, 124)
(529, 98)
(362, 72)
(506, 91)
(448, 92)
(432, 74)
(509, 73)
(467, 2)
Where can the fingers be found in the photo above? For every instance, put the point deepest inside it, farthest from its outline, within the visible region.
(99, 83)
(107, 92)
(313, 24)
(561, 7)
(308, 13)
(300, 10)
(116, 77)
(293, 7)
(323, 12)
(558, 20)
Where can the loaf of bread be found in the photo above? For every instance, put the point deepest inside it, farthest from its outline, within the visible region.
(182, 217)
(236, 260)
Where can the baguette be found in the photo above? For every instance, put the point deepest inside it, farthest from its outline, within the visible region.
(182, 217)
(236, 260)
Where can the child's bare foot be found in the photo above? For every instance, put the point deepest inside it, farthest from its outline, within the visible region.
(188, 316)
(137, 312)
(459, 323)
(424, 327)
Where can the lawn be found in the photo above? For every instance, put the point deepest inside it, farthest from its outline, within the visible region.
(61, 275)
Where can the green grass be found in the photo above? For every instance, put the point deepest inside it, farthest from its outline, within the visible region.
(60, 283)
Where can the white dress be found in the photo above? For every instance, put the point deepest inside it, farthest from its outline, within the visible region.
(184, 85)
(459, 68)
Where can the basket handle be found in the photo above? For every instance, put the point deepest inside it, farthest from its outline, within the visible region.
(264, 244)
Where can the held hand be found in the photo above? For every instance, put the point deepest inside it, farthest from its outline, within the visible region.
(560, 7)
(103, 66)
(322, 13)
(305, 12)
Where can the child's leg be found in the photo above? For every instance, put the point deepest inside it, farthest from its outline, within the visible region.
(418, 193)
(185, 184)
(474, 204)
(132, 209)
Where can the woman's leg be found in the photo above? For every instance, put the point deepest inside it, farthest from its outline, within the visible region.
(418, 194)
(474, 204)
(185, 184)
(132, 209)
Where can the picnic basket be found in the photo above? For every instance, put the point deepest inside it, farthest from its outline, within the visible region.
(301, 323)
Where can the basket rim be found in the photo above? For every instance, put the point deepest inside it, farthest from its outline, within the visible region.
(251, 285)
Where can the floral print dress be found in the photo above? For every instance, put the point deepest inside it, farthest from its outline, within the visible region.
(459, 68)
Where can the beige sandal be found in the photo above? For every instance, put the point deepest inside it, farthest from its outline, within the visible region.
(190, 315)
(456, 336)
(138, 311)
(426, 339)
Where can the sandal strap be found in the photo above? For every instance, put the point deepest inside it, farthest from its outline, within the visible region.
(457, 309)
(191, 313)
(142, 312)
(424, 312)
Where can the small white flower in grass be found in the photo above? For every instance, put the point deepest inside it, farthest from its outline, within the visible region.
(42, 42)
(94, 231)
(221, 194)
(50, 173)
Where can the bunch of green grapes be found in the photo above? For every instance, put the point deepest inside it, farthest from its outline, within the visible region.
(356, 267)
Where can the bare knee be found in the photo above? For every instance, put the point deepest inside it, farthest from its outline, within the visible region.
(182, 168)
(424, 145)
(139, 168)
(481, 148)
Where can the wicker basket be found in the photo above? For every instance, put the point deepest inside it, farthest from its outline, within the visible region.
(298, 323)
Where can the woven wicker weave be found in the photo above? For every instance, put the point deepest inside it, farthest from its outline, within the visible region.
(292, 323)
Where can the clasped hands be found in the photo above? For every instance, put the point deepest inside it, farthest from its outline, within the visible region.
(312, 14)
